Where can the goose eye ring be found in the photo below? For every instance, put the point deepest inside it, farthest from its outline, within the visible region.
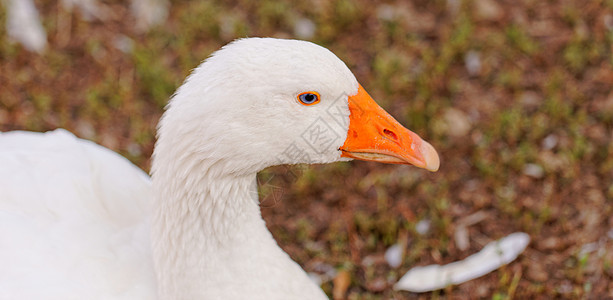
(308, 98)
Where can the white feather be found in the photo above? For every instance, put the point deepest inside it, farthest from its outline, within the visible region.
(491, 257)
(75, 217)
(73, 220)
(23, 25)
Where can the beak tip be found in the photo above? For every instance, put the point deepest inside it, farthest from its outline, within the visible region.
(430, 156)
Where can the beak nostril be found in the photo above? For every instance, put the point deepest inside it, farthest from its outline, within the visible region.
(390, 134)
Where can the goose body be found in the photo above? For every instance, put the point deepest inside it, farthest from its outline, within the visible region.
(73, 220)
(78, 221)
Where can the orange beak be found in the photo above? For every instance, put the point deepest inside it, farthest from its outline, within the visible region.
(374, 135)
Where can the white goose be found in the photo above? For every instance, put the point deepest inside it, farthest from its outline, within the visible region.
(77, 221)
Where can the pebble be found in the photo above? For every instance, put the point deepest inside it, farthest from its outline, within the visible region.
(458, 124)
(472, 62)
(423, 226)
(488, 10)
(304, 29)
(550, 142)
(534, 170)
(393, 255)
(123, 43)
(552, 243)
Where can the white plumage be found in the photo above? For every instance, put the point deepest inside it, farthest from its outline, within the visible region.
(75, 218)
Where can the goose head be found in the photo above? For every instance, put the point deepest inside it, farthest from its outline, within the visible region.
(259, 102)
(255, 103)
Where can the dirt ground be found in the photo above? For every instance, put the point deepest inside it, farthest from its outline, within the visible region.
(516, 96)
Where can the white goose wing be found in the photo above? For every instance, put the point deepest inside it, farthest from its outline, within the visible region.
(73, 220)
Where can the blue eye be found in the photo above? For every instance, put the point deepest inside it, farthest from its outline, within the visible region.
(308, 98)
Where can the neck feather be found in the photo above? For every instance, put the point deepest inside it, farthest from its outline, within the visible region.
(209, 239)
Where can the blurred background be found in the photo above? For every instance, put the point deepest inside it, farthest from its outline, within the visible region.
(517, 97)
